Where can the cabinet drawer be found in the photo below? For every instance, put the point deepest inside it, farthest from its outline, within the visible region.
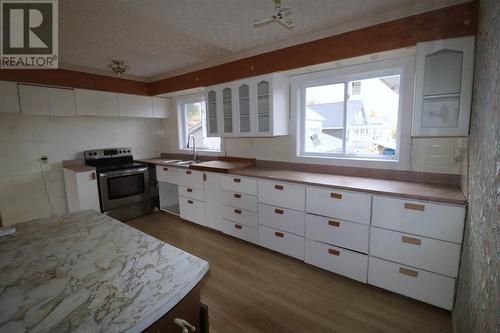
(341, 261)
(167, 174)
(283, 219)
(350, 235)
(343, 205)
(192, 193)
(190, 178)
(421, 218)
(282, 195)
(240, 231)
(425, 253)
(238, 200)
(280, 241)
(239, 184)
(428, 287)
(192, 210)
(241, 216)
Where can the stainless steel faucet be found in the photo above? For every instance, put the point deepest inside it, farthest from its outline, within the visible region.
(194, 146)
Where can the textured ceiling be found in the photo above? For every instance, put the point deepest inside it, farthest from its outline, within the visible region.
(157, 37)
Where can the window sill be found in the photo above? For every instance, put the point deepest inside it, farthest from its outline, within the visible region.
(395, 163)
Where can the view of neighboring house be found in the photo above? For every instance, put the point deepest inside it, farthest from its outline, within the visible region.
(368, 127)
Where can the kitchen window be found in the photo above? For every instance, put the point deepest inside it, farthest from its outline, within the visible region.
(191, 113)
(353, 113)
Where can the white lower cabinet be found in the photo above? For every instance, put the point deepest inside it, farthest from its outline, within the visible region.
(425, 253)
(282, 218)
(240, 231)
(192, 210)
(351, 264)
(239, 200)
(240, 216)
(350, 235)
(213, 200)
(282, 241)
(415, 283)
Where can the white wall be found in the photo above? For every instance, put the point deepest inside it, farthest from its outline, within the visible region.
(24, 139)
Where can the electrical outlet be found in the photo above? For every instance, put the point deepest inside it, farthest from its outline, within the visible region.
(44, 159)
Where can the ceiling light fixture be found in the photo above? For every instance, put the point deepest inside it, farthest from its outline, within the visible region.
(277, 16)
(118, 66)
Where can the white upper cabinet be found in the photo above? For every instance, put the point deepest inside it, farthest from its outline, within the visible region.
(212, 112)
(255, 106)
(9, 98)
(96, 103)
(161, 107)
(443, 87)
(135, 106)
(46, 101)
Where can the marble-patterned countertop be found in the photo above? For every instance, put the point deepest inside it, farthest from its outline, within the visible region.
(86, 272)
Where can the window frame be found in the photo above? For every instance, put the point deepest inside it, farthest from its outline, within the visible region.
(403, 65)
(181, 124)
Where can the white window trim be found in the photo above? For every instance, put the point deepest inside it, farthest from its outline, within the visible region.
(179, 102)
(405, 65)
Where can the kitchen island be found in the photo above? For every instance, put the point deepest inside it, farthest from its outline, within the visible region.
(86, 272)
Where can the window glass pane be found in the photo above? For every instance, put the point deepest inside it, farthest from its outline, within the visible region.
(372, 116)
(193, 114)
(324, 119)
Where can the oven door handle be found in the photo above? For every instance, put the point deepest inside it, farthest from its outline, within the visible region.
(125, 172)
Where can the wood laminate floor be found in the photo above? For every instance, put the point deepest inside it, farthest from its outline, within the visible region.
(252, 289)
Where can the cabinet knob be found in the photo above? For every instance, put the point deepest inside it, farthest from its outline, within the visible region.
(411, 240)
(165, 169)
(188, 172)
(408, 272)
(237, 226)
(334, 252)
(186, 327)
(335, 195)
(237, 196)
(190, 202)
(279, 234)
(237, 180)
(279, 211)
(189, 190)
(334, 223)
(93, 176)
(237, 211)
(414, 206)
(279, 187)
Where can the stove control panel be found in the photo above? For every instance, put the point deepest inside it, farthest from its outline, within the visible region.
(107, 153)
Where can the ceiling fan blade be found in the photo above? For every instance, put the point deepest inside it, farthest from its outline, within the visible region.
(257, 23)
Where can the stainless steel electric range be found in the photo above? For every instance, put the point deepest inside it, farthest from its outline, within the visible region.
(123, 184)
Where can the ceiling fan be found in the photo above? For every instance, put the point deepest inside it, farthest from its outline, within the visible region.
(277, 16)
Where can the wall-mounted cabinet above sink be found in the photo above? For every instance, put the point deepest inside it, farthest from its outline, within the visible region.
(251, 107)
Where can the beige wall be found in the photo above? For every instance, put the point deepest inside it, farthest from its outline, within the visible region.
(24, 139)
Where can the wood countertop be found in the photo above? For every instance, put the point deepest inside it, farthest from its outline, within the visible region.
(450, 194)
(421, 191)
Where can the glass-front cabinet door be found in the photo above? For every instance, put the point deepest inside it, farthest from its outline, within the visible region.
(263, 107)
(212, 113)
(244, 119)
(443, 87)
(227, 107)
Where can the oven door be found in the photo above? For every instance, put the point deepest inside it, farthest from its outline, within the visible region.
(123, 187)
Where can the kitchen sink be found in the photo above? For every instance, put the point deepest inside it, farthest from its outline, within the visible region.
(188, 162)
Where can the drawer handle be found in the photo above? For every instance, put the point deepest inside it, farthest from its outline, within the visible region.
(408, 272)
(237, 226)
(188, 172)
(279, 211)
(165, 169)
(335, 195)
(279, 234)
(334, 223)
(237, 211)
(334, 252)
(186, 327)
(237, 180)
(93, 176)
(236, 195)
(189, 190)
(414, 206)
(279, 187)
(410, 240)
(190, 202)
